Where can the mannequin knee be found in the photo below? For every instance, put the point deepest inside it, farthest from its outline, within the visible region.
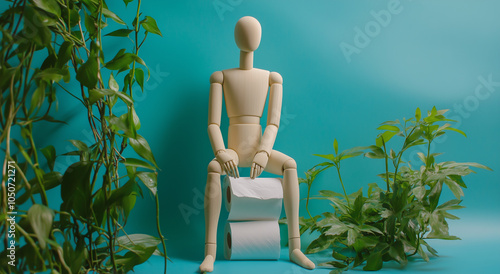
(290, 164)
(214, 167)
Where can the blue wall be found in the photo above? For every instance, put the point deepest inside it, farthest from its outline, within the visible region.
(429, 53)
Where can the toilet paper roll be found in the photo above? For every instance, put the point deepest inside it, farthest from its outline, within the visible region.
(253, 199)
(254, 240)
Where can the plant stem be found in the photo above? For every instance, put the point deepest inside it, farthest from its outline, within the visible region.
(342, 183)
(159, 232)
(136, 30)
(386, 166)
(307, 200)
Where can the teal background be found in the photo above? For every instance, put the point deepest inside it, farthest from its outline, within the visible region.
(430, 54)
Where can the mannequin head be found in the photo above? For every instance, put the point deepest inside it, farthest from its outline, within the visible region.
(247, 34)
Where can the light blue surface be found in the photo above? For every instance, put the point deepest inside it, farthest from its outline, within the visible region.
(477, 252)
(430, 53)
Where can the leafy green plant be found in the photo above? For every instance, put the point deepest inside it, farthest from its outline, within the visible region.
(394, 223)
(87, 232)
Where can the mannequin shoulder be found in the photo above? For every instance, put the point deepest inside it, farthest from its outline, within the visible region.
(217, 77)
(275, 78)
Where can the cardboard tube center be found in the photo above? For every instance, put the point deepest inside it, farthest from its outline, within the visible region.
(228, 240)
(228, 194)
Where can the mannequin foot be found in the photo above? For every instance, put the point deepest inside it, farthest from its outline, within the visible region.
(208, 264)
(299, 258)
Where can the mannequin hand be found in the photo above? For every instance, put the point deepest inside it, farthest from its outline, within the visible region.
(259, 163)
(227, 163)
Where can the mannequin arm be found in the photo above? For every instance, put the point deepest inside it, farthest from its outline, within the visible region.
(273, 121)
(214, 133)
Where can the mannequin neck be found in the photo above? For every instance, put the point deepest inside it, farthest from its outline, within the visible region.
(246, 60)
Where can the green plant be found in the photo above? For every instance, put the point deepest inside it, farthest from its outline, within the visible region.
(392, 223)
(87, 232)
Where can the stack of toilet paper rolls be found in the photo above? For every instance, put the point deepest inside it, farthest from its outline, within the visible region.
(252, 230)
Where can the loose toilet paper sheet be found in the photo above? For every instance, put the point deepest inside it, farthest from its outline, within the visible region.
(255, 240)
(253, 199)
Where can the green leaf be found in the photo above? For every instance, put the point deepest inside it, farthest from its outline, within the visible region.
(120, 33)
(336, 146)
(418, 114)
(336, 228)
(388, 127)
(141, 147)
(49, 6)
(87, 73)
(36, 23)
(149, 179)
(386, 136)
(351, 237)
(450, 205)
(109, 14)
(139, 76)
(319, 244)
(90, 25)
(98, 93)
(121, 61)
(64, 53)
(138, 255)
(369, 229)
(458, 179)
(120, 124)
(113, 85)
(397, 252)
(326, 156)
(374, 262)
(99, 207)
(422, 253)
(75, 189)
(456, 130)
(455, 188)
(377, 153)
(131, 240)
(81, 146)
(41, 218)
(130, 188)
(137, 122)
(149, 24)
(127, 1)
(419, 192)
(132, 162)
(50, 154)
(363, 243)
(38, 97)
(52, 74)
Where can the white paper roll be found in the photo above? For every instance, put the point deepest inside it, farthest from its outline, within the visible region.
(253, 199)
(255, 240)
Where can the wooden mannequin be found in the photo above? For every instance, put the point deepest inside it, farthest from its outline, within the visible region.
(245, 90)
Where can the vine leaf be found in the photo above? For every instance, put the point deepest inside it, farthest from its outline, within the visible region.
(50, 154)
(87, 73)
(141, 147)
(75, 189)
(149, 24)
(41, 218)
(120, 33)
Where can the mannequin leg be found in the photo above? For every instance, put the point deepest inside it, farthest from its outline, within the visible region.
(213, 200)
(279, 163)
(212, 211)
